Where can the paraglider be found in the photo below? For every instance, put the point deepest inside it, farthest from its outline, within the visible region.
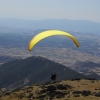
(53, 77)
(49, 33)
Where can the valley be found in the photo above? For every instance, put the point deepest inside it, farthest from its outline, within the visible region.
(59, 51)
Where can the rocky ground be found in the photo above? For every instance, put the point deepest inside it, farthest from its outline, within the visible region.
(76, 89)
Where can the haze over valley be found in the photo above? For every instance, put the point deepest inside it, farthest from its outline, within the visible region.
(14, 41)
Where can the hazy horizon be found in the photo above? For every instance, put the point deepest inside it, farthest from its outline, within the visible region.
(53, 9)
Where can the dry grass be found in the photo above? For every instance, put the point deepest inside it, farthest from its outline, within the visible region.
(65, 91)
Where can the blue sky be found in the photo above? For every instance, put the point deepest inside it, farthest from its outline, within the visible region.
(51, 9)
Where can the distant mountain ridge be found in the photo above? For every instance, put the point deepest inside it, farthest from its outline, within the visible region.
(61, 24)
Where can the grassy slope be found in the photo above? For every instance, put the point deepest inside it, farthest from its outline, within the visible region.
(63, 90)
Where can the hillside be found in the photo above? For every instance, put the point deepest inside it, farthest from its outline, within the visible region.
(84, 89)
(33, 70)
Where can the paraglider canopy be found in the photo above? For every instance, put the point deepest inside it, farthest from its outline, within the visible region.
(49, 33)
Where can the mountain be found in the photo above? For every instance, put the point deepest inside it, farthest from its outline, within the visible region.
(33, 70)
(61, 24)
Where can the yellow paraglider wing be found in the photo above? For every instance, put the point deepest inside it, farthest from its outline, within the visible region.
(48, 33)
